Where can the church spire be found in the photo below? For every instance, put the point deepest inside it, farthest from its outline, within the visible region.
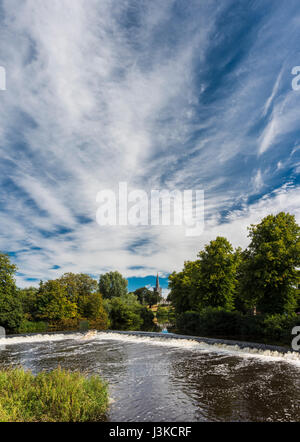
(157, 282)
(158, 288)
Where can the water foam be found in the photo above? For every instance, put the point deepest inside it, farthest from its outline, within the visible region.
(194, 344)
(270, 355)
(39, 338)
(198, 345)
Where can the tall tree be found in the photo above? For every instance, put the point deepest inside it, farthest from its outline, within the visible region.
(217, 283)
(112, 285)
(269, 271)
(143, 294)
(147, 297)
(184, 287)
(11, 313)
(53, 303)
(79, 287)
(124, 316)
(94, 310)
(28, 297)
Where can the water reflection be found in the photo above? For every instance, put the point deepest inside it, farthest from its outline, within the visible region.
(163, 327)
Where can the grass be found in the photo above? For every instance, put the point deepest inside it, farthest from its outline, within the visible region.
(57, 396)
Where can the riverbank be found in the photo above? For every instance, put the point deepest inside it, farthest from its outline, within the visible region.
(159, 377)
(56, 396)
(219, 322)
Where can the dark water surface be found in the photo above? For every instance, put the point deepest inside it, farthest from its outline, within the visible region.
(157, 379)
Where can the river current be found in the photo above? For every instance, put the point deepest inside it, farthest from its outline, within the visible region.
(156, 379)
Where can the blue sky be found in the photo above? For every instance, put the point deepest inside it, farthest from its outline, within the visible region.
(173, 94)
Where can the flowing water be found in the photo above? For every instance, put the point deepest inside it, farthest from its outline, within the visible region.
(159, 379)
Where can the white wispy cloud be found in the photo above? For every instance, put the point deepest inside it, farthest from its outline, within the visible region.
(273, 94)
(125, 91)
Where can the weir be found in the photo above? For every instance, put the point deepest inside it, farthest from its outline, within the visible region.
(235, 348)
(211, 341)
(172, 378)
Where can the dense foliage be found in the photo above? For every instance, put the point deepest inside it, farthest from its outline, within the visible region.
(225, 291)
(250, 293)
(217, 279)
(72, 302)
(184, 287)
(112, 284)
(58, 304)
(219, 322)
(269, 273)
(11, 312)
(57, 396)
(127, 313)
(147, 297)
(69, 299)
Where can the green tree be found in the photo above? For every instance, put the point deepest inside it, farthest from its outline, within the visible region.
(28, 297)
(147, 318)
(53, 303)
(131, 299)
(147, 297)
(79, 287)
(143, 294)
(127, 313)
(124, 316)
(184, 287)
(239, 300)
(112, 284)
(11, 312)
(217, 283)
(95, 311)
(297, 286)
(93, 307)
(268, 277)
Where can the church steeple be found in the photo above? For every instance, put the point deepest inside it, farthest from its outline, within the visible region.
(158, 288)
(157, 282)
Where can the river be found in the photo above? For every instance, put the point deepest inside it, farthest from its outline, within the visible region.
(158, 379)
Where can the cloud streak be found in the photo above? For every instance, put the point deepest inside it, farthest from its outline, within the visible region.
(174, 96)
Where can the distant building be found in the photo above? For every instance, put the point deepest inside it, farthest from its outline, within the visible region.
(158, 289)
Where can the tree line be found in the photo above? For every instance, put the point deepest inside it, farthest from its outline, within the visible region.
(72, 300)
(225, 291)
(224, 288)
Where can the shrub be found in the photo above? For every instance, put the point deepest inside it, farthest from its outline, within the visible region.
(11, 312)
(32, 327)
(216, 322)
(251, 326)
(63, 325)
(210, 321)
(220, 321)
(280, 326)
(188, 323)
(83, 325)
(99, 323)
(124, 316)
(163, 313)
(126, 313)
(57, 396)
(147, 317)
